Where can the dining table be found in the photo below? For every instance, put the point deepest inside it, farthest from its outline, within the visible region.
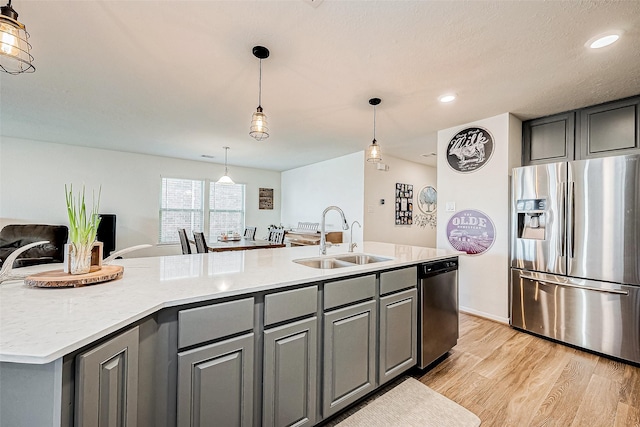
(241, 244)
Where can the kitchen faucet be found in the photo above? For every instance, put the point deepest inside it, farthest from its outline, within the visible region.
(323, 234)
(351, 244)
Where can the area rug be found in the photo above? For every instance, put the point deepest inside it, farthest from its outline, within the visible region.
(410, 404)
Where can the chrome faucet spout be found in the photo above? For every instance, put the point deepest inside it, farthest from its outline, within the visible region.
(323, 233)
(351, 244)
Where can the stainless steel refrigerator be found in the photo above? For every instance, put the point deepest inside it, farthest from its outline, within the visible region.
(575, 253)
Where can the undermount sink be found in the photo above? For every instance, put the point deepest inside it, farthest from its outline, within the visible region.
(362, 258)
(323, 263)
(339, 261)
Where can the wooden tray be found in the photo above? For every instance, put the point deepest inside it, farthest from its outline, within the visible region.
(60, 279)
(229, 239)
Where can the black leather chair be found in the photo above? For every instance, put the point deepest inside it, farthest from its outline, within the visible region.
(201, 242)
(14, 236)
(184, 241)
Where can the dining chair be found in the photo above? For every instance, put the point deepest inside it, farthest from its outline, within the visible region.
(307, 227)
(250, 233)
(201, 242)
(276, 235)
(184, 242)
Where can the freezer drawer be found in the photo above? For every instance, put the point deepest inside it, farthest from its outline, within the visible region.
(597, 316)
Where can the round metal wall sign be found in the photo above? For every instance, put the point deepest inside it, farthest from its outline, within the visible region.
(471, 231)
(428, 200)
(470, 149)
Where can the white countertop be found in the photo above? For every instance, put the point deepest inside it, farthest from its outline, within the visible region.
(39, 325)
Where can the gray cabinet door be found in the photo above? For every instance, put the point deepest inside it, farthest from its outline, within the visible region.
(290, 369)
(610, 129)
(107, 383)
(398, 334)
(215, 384)
(349, 355)
(549, 139)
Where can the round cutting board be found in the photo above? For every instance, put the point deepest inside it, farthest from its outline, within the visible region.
(60, 279)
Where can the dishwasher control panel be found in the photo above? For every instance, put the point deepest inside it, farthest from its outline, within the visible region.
(438, 266)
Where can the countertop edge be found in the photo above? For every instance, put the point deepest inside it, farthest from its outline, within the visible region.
(8, 357)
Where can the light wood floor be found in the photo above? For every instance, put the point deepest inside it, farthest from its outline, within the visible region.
(510, 378)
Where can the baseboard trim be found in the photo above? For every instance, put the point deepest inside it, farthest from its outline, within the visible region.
(482, 314)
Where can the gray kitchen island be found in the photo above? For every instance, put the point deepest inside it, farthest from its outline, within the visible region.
(233, 338)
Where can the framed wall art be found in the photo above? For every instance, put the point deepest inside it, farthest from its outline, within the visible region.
(265, 198)
(404, 204)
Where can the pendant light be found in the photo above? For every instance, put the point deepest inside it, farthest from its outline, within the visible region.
(259, 129)
(373, 152)
(225, 179)
(14, 43)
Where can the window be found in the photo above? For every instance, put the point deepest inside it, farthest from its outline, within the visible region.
(185, 203)
(226, 208)
(182, 206)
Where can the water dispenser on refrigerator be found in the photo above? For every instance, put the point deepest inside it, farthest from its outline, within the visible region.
(531, 218)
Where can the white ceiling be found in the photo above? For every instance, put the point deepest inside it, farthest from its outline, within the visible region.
(178, 79)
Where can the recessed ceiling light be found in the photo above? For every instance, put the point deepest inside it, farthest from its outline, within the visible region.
(602, 40)
(429, 155)
(447, 98)
(207, 156)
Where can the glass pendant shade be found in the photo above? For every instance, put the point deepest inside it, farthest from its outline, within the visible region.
(259, 129)
(225, 179)
(373, 152)
(15, 56)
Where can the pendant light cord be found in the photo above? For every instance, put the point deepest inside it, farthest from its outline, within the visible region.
(226, 149)
(260, 86)
(374, 123)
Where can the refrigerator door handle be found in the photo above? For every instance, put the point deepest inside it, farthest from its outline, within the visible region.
(563, 221)
(570, 285)
(570, 220)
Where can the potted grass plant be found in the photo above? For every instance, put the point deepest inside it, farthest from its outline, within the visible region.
(83, 228)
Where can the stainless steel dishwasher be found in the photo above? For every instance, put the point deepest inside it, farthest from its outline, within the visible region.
(438, 310)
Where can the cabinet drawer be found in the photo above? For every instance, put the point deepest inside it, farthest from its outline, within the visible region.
(350, 290)
(287, 305)
(392, 281)
(198, 325)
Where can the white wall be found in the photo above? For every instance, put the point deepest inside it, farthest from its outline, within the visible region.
(483, 278)
(308, 190)
(379, 219)
(33, 175)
